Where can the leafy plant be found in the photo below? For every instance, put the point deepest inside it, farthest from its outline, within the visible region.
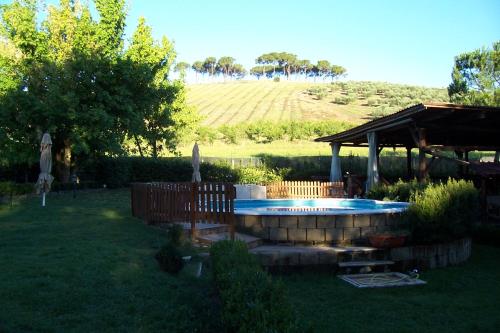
(169, 258)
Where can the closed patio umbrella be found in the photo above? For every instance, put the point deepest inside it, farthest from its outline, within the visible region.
(45, 178)
(196, 164)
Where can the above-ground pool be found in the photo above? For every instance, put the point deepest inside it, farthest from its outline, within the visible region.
(316, 206)
(347, 221)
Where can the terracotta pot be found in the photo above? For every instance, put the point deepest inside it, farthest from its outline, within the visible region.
(386, 241)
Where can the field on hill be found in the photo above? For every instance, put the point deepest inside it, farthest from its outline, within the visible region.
(249, 101)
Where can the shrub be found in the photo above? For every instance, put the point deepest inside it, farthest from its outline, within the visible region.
(258, 175)
(487, 234)
(169, 258)
(400, 191)
(251, 300)
(11, 188)
(443, 211)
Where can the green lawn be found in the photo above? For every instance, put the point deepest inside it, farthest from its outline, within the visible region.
(86, 265)
(464, 298)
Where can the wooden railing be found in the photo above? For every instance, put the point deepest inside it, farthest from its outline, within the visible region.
(305, 189)
(184, 202)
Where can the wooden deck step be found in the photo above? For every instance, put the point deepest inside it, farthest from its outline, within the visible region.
(251, 241)
(367, 263)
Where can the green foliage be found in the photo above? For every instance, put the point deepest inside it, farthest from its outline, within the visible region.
(251, 300)
(169, 258)
(476, 77)
(319, 92)
(399, 191)
(11, 188)
(67, 73)
(443, 211)
(258, 175)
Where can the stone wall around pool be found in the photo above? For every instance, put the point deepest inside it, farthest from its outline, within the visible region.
(314, 229)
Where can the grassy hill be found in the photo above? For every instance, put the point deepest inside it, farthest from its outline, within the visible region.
(249, 101)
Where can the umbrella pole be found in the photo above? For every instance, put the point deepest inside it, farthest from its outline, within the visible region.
(43, 199)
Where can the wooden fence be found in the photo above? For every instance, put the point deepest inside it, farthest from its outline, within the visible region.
(305, 189)
(184, 202)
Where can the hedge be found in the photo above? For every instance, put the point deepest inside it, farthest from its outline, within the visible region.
(251, 301)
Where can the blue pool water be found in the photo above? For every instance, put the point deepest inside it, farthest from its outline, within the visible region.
(316, 206)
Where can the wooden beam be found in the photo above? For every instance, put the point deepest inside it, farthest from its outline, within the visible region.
(408, 162)
(422, 162)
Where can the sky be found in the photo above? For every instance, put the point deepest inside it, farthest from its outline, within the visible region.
(398, 41)
(411, 42)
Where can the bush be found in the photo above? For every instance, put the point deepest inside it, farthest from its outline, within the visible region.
(258, 175)
(11, 188)
(400, 191)
(169, 258)
(443, 212)
(251, 300)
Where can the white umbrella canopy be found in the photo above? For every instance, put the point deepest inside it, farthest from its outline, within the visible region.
(195, 161)
(45, 178)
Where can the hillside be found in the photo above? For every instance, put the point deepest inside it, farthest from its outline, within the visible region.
(248, 101)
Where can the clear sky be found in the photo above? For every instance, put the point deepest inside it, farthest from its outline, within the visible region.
(402, 41)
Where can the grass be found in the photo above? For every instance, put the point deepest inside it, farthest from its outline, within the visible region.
(249, 101)
(85, 265)
(464, 298)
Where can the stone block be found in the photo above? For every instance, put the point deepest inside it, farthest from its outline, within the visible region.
(297, 235)
(361, 220)
(377, 220)
(307, 221)
(260, 231)
(278, 234)
(334, 235)
(315, 235)
(325, 221)
(288, 221)
(344, 221)
(351, 234)
(251, 220)
(367, 231)
(270, 221)
(327, 258)
(392, 219)
(309, 258)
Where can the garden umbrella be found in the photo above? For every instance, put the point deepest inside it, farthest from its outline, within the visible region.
(196, 164)
(45, 178)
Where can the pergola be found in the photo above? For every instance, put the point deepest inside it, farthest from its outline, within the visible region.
(433, 129)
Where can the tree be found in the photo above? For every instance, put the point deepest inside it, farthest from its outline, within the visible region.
(65, 82)
(268, 59)
(322, 68)
(209, 65)
(198, 68)
(225, 65)
(181, 68)
(162, 116)
(286, 61)
(238, 71)
(476, 77)
(337, 72)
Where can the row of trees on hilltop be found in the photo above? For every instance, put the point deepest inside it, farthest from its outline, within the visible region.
(283, 63)
(66, 73)
(269, 65)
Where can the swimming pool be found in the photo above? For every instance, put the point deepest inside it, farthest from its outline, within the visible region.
(316, 206)
(346, 221)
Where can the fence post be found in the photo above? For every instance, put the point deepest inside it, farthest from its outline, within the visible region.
(193, 207)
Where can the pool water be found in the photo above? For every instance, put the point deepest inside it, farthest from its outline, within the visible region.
(316, 206)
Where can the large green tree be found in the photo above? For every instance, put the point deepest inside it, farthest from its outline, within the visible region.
(476, 77)
(162, 116)
(65, 72)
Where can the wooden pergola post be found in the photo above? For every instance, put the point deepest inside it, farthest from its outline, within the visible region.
(408, 162)
(422, 161)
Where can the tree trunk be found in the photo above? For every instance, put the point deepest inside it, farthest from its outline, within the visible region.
(63, 158)
(155, 149)
(138, 144)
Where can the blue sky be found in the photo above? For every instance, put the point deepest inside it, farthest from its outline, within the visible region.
(403, 41)
(410, 42)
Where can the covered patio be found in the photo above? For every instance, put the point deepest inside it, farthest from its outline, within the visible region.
(434, 129)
